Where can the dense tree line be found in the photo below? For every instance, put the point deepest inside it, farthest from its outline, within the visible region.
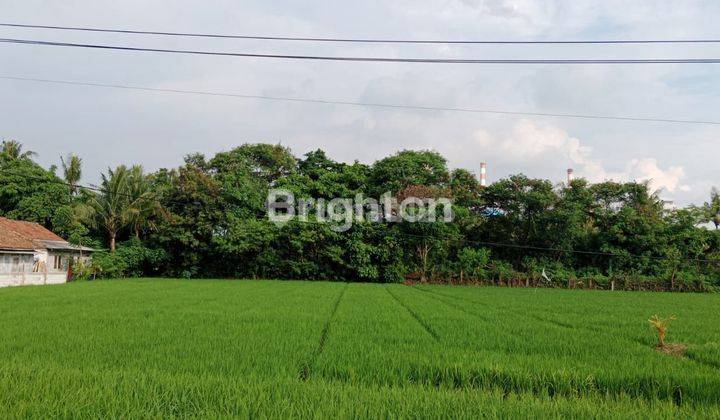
(207, 218)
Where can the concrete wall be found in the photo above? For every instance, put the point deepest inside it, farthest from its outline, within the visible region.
(27, 279)
(18, 269)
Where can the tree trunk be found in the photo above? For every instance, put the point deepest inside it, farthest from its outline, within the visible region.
(423, 251)
(672, 280)
(112, 241)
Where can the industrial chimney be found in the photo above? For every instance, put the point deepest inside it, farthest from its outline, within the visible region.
(483, 174)
(570, 175)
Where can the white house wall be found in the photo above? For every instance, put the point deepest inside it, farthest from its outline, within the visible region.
(22, 274)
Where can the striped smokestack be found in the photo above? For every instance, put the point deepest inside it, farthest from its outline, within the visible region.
(570, 175)
(483, 174)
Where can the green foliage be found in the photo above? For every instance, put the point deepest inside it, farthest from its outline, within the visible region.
(139, 259)
(502, 272)
(131, 259)
(208, 217)
(83, 270)
(710, 211)
(29, 192)
(72, 171)
(108, 265)
(408, 168)
(13, 150)
(125, 201)
(473, 263)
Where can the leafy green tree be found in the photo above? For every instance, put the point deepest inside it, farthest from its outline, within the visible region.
(408, 168)
(429, 244)
(29, 192)
(630, 221)
(320, 177)
(465, 189)
(519, 210)
(194, 206)
(208, 218)
(473, 263)
(246, 173)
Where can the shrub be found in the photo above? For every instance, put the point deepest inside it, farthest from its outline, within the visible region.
(108, 265)
(139, 259)
(394, 273)
(502, 271)
(473, 262)
(82, 270)
(593, 278)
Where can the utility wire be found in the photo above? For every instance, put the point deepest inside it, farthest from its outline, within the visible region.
(98, 189)
(360, 40)
(370, 59)
(361, 104)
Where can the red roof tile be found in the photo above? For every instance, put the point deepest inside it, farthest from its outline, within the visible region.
(16, 234)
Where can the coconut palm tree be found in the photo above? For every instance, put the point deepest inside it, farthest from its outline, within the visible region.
(12, 149)
(72, 171)
(144, 207)
(110, 207)
(125, 201)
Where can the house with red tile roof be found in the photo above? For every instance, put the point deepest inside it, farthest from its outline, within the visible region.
(31, 254)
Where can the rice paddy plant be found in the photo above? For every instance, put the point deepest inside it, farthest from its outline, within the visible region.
(160, 348)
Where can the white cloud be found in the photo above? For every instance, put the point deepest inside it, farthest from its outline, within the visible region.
(648, 169)
(109, 127)
(533, 144)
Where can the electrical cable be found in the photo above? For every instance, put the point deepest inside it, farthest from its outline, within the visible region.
(370, 59)
(363, 104)
(361, 40)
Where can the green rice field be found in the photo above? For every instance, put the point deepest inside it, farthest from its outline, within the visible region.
(235, 348)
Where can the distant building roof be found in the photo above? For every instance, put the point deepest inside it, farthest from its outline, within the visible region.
(28, 236)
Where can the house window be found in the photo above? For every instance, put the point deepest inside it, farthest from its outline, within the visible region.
(15, 264)
(57, 262)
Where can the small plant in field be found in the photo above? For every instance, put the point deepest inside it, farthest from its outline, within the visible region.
(661, 326)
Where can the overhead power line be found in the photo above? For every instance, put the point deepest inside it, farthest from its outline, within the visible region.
(362, 104)
(369, 59)
(360, 40)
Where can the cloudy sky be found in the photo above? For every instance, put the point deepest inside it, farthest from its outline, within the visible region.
(108, 127)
